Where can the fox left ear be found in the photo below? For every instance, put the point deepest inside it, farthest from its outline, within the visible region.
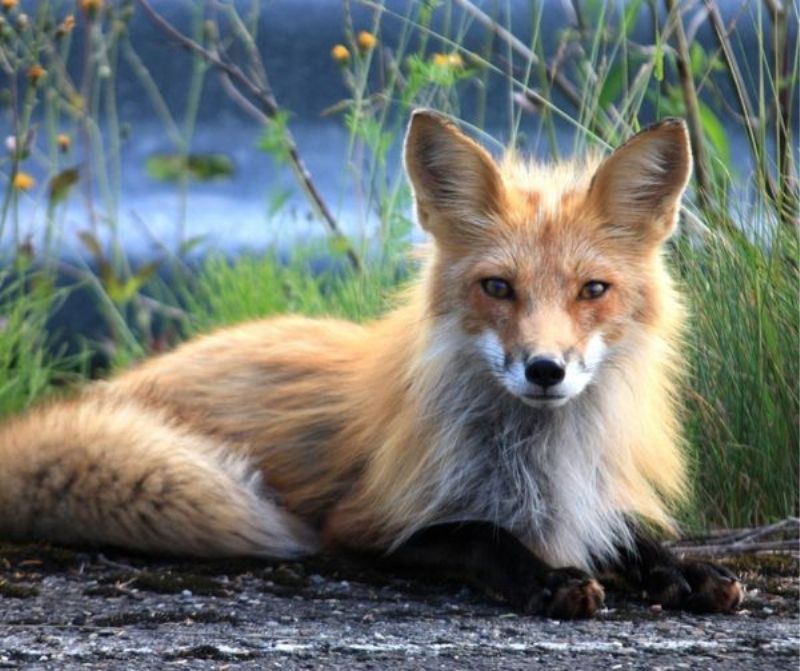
(639, 187)
(456, 183)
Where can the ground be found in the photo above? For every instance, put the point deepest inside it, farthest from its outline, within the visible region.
(62, 609)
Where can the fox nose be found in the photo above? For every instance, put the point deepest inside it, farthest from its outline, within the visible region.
(545, 371)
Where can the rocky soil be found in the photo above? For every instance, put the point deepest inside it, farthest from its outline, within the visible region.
(61, 609)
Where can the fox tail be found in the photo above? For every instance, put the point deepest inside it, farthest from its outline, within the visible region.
(111, 472)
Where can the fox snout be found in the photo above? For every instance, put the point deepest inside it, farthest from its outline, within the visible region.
(546, 379)
(545, 370)
(543, 379)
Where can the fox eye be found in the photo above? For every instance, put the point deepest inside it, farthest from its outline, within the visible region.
(497, 288)
(593, 289)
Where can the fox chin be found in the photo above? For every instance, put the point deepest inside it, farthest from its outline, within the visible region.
(514, 420)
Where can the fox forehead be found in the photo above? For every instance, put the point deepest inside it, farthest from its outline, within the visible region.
(557, 246)
(530, 185)
(546, 230)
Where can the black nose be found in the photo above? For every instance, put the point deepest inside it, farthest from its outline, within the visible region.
(544, 371)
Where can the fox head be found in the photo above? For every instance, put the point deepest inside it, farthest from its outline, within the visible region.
(548, 271)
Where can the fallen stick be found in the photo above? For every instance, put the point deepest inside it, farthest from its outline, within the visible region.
(716, 550)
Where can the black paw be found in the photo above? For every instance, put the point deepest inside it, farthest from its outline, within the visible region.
(567, 594)
(699, 587)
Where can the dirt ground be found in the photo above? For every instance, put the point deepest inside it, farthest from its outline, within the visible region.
(61, 609)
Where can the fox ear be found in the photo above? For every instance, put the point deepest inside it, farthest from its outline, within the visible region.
(456, 183)
(639, 187)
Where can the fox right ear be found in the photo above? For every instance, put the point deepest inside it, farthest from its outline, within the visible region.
(455, 181)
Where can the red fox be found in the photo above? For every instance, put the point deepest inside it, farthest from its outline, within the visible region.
(514, 420)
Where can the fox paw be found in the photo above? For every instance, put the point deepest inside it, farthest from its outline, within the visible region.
(699, 587)
(568, 594)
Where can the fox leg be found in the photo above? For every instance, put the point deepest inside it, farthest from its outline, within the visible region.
(697, 586)
(105, 472)
(495, 561)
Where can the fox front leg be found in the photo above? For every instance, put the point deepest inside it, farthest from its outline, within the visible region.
(664, 578)
(496, 562)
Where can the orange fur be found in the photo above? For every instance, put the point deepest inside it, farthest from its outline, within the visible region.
(275, 436)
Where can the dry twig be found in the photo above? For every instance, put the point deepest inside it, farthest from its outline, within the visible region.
(742, 541)
(738, 548)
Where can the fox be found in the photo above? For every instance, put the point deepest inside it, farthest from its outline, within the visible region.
(514, 421)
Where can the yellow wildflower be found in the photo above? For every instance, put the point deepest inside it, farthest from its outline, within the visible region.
(64, 142)
(452, 60)
(35, 73)
(91, 7)
(340, 54)
(366, 40)
(8, 5)
(23, 181)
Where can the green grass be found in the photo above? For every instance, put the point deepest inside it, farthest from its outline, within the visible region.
(225, 292)
(739, 270)
(31, 368)
(743, 421)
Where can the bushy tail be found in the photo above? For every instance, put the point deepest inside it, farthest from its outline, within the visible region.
(104, 471)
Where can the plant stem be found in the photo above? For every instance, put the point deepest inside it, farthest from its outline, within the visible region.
(785, 93)
(750, 118)
(268, 106)
(554, 76)
(683, 62)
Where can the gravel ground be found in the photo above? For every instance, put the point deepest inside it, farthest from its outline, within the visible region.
(67, 610)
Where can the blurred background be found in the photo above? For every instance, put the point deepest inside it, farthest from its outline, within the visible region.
(170, 166)
(164, 107)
